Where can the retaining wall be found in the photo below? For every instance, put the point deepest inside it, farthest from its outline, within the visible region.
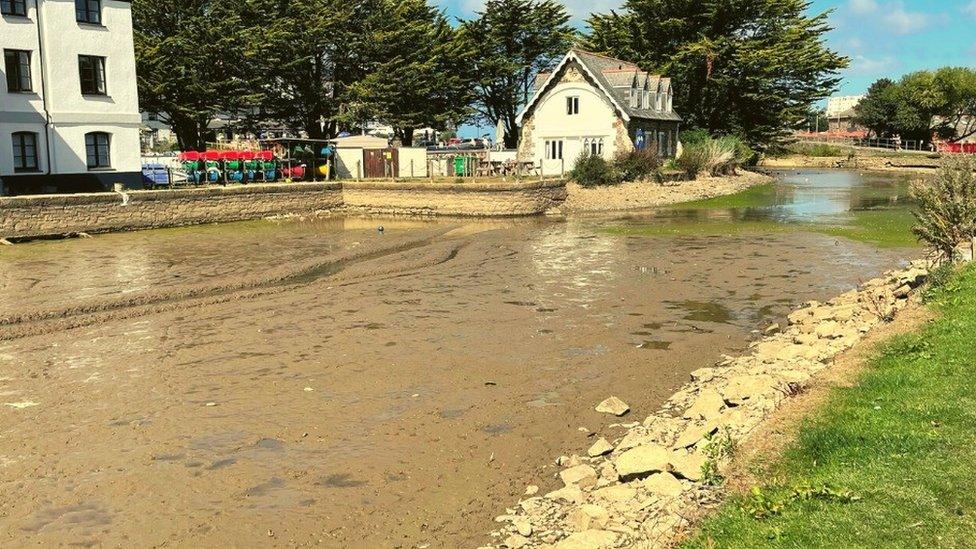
(53, 215)
(483, 199)
(48, 215)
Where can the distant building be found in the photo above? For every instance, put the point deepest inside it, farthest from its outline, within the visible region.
(69, 109)
(841, 113)
(597, 105)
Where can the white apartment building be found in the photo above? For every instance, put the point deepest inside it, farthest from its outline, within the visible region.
(69, 107)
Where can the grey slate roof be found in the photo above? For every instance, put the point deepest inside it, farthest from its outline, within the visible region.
(610, 74)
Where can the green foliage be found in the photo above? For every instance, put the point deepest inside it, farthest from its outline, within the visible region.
(593, 170)
(762, 505)
(189, 63)
(742, 153)
(513, 40)
(750, 67)
(637, 165)
(718, 447)
(922, 104)
(695, 136)
(694, 160)
(418, 71)
(819, 150)
(946, 211)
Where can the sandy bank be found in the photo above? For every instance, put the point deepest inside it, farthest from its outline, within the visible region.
(921, 164)
(638, 195)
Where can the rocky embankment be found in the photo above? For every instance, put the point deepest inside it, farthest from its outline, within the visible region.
(639, 489)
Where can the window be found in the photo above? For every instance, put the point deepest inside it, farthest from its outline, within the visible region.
(18, 67)
(13, 7)
(554, 150)
(88, 11)
(92, 71)
(670, 100)
(593, 146)
(657, 101)
(572, 105)
(25, 152)
(97, 150)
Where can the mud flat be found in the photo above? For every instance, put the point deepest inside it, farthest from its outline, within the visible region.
(325, 382)
(642, 488)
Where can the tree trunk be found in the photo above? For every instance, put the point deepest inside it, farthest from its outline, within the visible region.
(511, 133)
(405, 135)
(188, 134)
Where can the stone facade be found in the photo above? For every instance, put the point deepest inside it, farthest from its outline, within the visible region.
(54, 215)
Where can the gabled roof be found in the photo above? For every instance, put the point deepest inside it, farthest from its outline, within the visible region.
(613, 77)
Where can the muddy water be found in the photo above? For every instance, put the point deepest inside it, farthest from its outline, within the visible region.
(323, 382)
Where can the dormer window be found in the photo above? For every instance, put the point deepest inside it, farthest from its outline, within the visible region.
(670, 100)
(657, 101)
(572, 105)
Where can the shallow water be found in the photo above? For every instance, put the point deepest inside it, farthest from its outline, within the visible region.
(322, 382)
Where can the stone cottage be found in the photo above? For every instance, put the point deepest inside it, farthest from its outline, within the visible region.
(599, 105)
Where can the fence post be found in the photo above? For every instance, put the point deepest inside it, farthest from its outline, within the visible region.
(359, 165)
(411, 167)
(542, 169)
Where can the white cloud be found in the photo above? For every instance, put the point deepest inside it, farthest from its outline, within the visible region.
(864, 7)
(970, 9)
(871, 66)
(902, 21)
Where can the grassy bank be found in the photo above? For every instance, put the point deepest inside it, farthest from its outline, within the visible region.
(887, 463)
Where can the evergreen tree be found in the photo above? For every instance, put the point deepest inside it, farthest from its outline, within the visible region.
(189, 64)
(878, 109)
(417, 73)
(305, 54)
(748, 67)
(514, 40)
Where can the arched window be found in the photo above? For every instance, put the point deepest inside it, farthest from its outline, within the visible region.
(97, 150)
(25, 152)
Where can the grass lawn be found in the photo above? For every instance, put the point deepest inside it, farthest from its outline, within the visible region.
(888, 463)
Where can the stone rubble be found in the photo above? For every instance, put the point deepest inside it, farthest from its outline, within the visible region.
(637, 490)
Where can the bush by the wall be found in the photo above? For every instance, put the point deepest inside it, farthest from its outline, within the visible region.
(637, 165)
(593, 170)
(695, 136)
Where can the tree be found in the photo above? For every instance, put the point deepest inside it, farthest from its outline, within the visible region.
(748, 67)
(417, 74)
(306, 54)
(189, 65)
(921, 105)
(878, 109)
(514, 40)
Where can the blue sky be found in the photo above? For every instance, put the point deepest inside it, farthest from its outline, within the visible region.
(883, 38)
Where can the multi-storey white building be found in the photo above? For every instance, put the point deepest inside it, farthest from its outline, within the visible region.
(69, 109)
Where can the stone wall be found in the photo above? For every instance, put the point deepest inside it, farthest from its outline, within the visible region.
(484, 199)
(640, 489)
(49, 215)
(53, 215)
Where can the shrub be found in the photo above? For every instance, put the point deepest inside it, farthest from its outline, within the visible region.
(695, 136)
(743, 153)
(719, 157)
(637, 165)
(946, 211)
(819, 150)
(693, 160)
(593, 170)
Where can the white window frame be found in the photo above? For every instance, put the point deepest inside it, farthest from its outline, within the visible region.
(572, 105)
(554, 149)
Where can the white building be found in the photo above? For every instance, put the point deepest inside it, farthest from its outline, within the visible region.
(840, 105)
(593, 104)
(69, 109)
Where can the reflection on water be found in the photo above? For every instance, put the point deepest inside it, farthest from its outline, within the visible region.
(873, 208)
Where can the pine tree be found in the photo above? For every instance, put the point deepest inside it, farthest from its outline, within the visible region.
(747, 67)
(417, 72)
(189, 64)
(514, 40)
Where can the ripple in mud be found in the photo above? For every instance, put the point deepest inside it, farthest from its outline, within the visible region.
(340, 480)
(84, 515)
(497, 429)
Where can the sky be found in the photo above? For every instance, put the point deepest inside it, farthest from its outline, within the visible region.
(883, 38)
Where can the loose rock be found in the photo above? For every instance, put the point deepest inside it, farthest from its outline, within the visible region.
(599, 448)
(613, 405)
(641, 461)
